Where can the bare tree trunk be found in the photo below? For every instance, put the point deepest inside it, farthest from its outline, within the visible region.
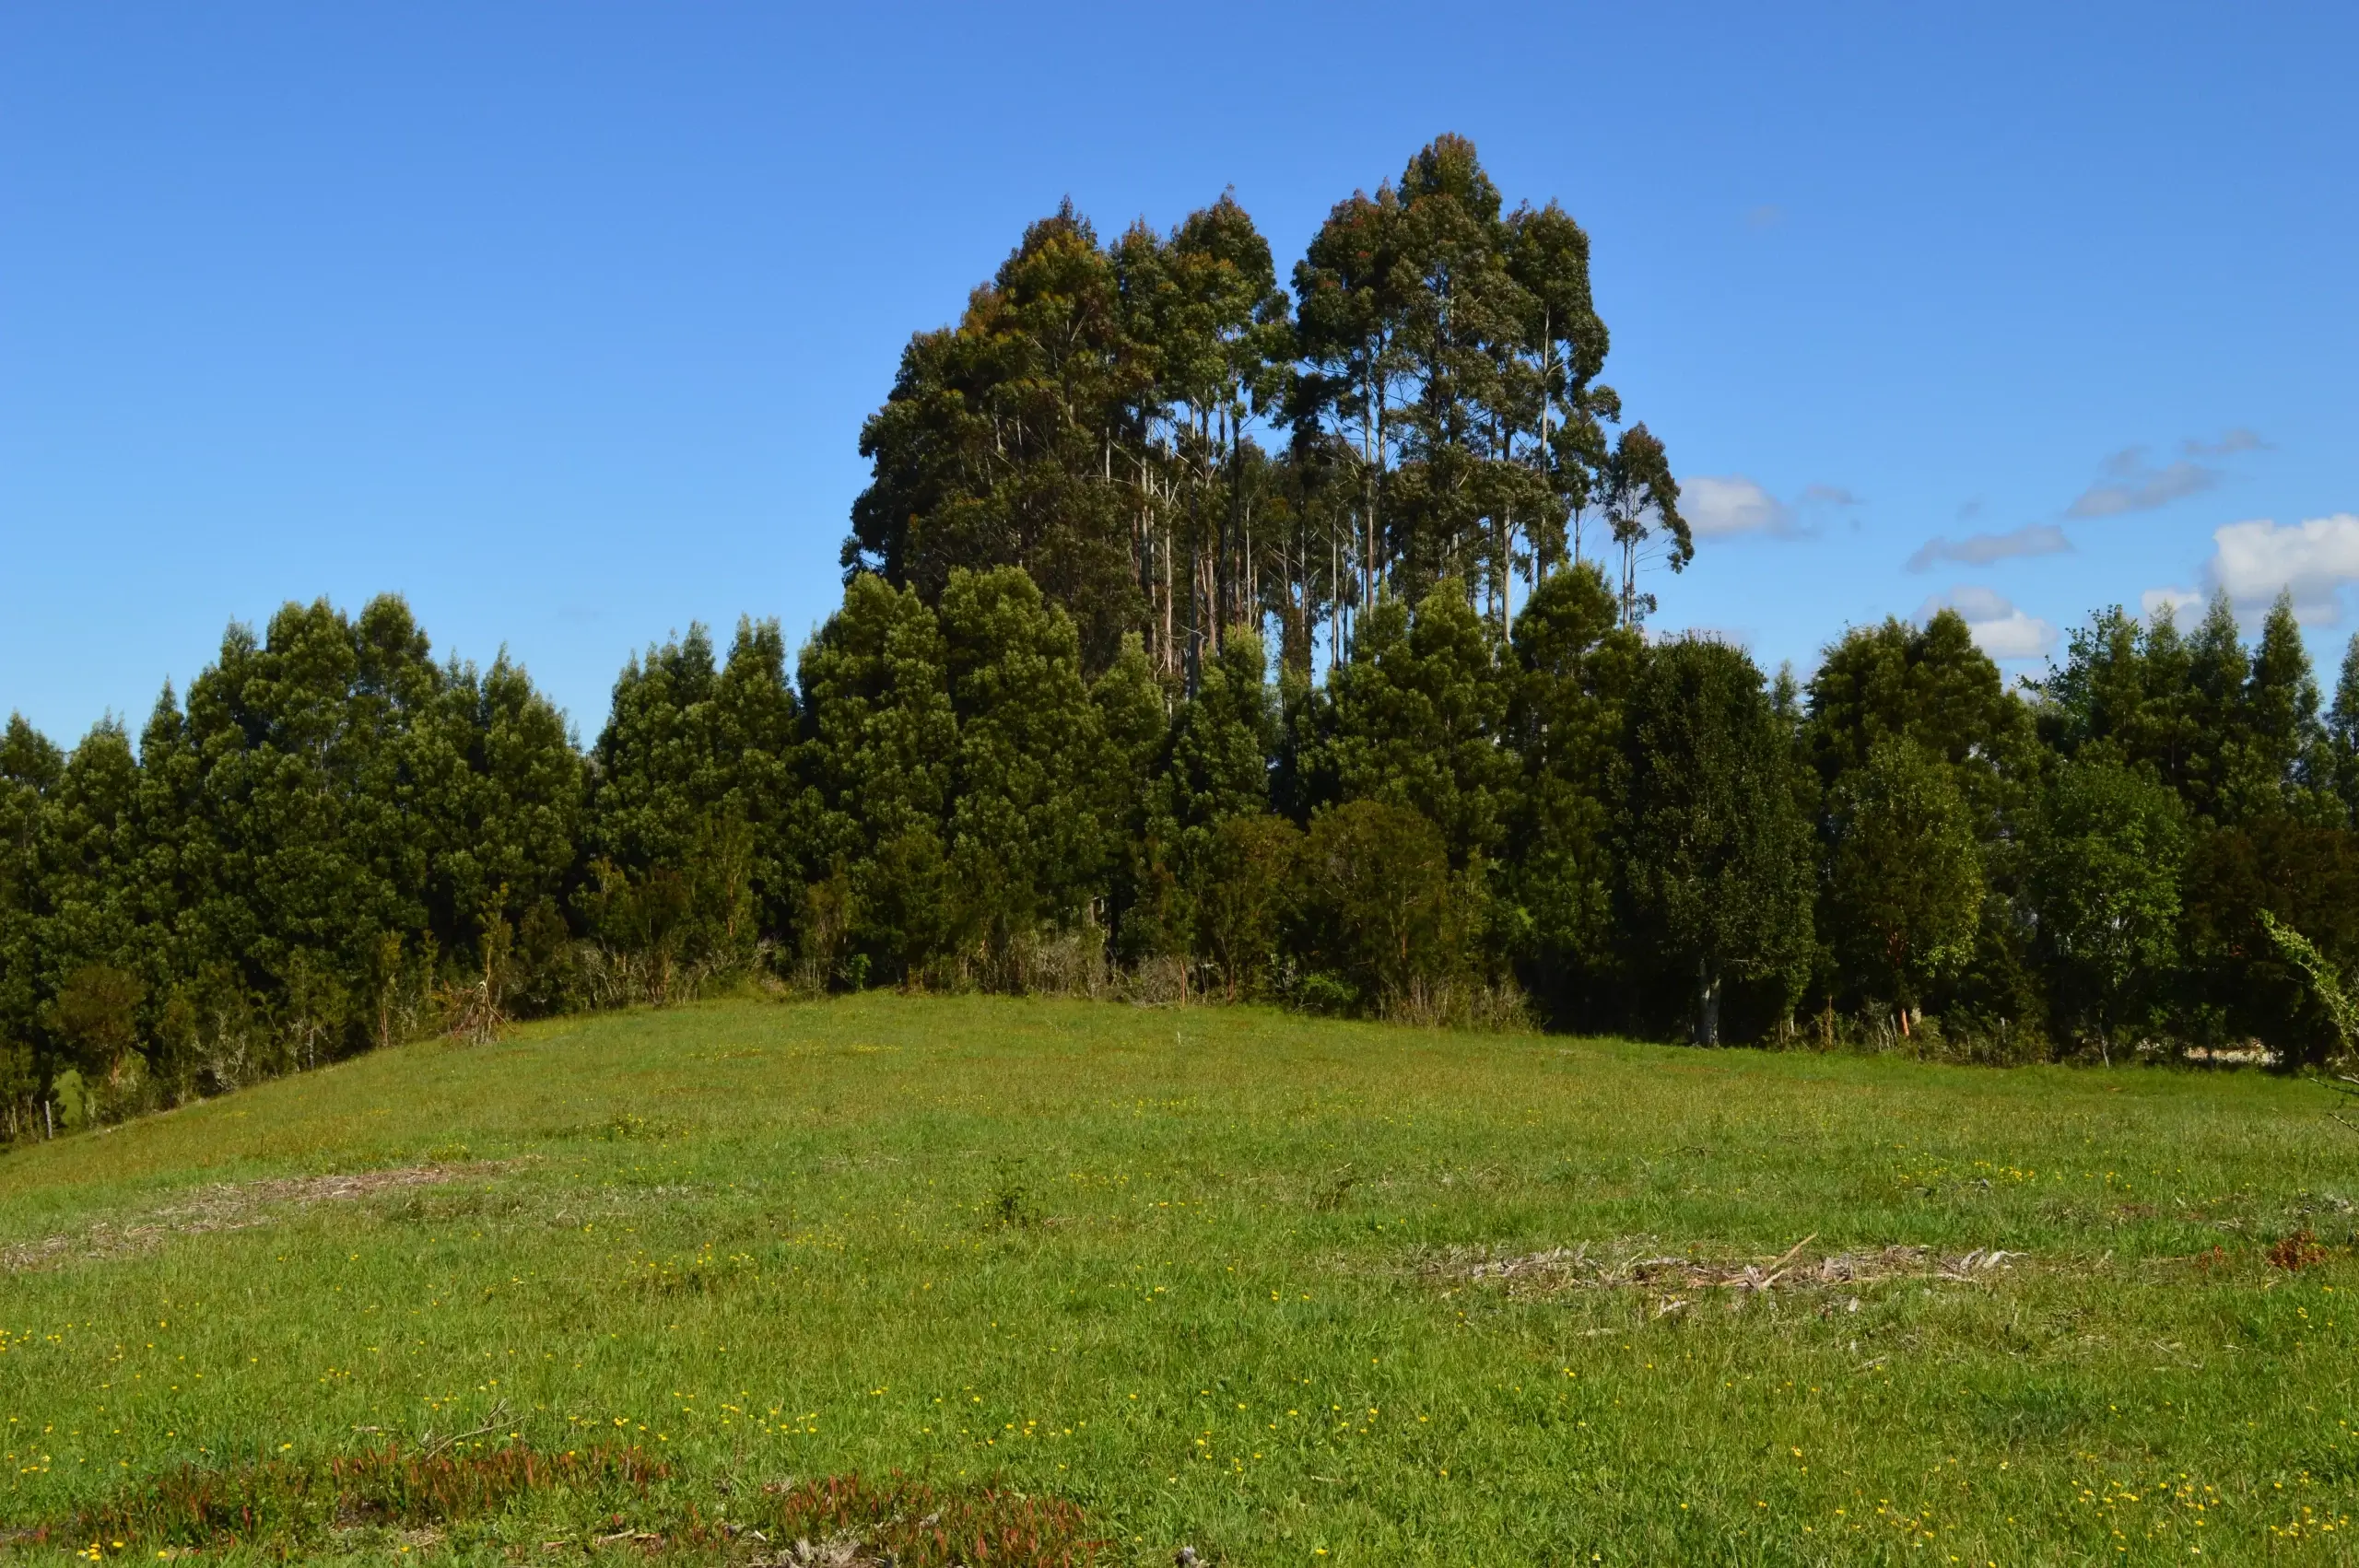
(1708, 1004)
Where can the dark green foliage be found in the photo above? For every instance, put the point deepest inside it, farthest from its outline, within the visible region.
(1418, 718)
(1929, 689)
(1929, 685)
(1573, 667)
(2235, 733)
(1097, 417)
(1222, 738)
(995, 447)
(1024, 825)
(1382, 921)
(280, 873)
(883, 745)
(1717, 852)
(1905, 882)
(693, 779)
(2104, 869)
(1246, 868)
(1142, 884)
(2241, 985)
(2343, 734)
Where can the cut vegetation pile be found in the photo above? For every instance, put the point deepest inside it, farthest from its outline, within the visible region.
(1007, 1283)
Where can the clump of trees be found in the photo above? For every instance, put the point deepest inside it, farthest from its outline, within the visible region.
(1119, 702)
(1175, 447)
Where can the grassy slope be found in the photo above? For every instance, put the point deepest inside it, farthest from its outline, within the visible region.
(774, 1237)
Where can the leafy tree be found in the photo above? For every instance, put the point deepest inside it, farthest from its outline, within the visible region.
(2242, 982)
(883, 749)
(1642, 509)
(2342, 729)
(2333, 997)
(1221, 740)
(1381, 922)
(2234, 731)
(2282, 737)
(1352, 288)
(512, 812)
(28, 766)
(689, 780)
(1248, 864)
(1548, 255)
(1573, 668)
(1023, 829)
(1418, 717)
(2105, 861)
(317, 848)
(1906, 882)
(1929, 685)
(1460, 327)
(1716, 852)
(1215, 769)
(1135, 723)
(996, 445)
(1203, 314)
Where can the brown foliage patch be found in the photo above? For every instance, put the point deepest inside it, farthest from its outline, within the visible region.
(275, 1502)
(2296, 1252)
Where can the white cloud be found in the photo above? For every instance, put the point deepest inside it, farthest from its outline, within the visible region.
(2156, 601)
(2312, 560)
(1981, 549)
(1722, 507)
(1830, 495)
(2000, 629)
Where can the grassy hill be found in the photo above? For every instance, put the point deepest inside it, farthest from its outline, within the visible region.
(1281, 1291)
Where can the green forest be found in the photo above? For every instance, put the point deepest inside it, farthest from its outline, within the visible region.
(1205, 640)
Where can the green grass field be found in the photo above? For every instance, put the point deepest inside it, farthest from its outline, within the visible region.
(1211, 1276)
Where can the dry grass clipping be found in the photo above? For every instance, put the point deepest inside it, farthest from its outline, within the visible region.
(1641, 1265)
(227, 1206)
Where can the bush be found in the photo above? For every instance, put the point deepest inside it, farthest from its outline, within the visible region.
(1381, 914)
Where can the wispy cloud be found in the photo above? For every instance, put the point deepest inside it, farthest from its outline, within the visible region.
(1981, 549)
(2236, 439)
(1830, 495)
(1768, 215)
(2000, 629)
(2313, 560)
(2133, 484)
(2131, 481)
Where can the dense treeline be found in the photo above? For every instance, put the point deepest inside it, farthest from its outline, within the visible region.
(1118, 702)
(338, 841)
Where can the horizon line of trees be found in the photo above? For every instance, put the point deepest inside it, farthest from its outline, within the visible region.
(335, 841)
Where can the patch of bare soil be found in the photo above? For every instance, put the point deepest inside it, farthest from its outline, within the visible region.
(227, 1206)
(1643, 1266)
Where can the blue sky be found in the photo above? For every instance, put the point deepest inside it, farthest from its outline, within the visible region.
(561, 321)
